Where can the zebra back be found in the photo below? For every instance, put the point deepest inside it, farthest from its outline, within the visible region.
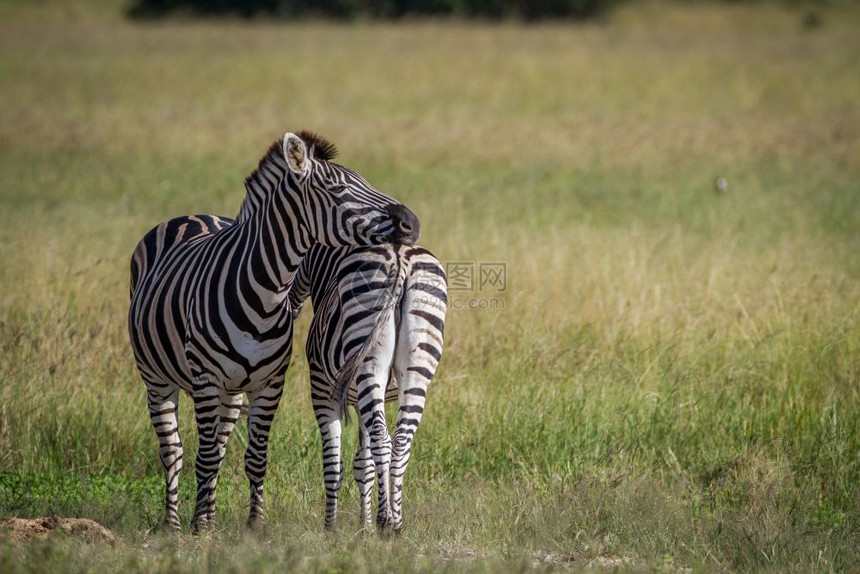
(166, 235)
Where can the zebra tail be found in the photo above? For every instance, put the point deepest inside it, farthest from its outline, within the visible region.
(347, 373)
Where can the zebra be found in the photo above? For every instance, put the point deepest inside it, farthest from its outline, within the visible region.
(376, 335)
(210, 313)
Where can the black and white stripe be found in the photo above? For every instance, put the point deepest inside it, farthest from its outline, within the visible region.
(376, 335)
(209, 309)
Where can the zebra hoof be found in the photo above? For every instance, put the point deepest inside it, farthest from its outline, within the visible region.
(200, 526)
(389, 532)
(384, 521)
(167, 527)
(256, 525)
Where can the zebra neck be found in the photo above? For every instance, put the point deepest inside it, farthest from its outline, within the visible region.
(277, 242)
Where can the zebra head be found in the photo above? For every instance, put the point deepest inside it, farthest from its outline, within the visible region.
(341, 207)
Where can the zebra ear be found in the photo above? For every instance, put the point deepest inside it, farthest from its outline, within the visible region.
(296, 153)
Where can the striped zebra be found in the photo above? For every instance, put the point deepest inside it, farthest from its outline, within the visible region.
(376, 335)
(210, 312)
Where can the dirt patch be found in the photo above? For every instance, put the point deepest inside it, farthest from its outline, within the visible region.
(27, 529)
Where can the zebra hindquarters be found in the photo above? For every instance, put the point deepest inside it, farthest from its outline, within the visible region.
(419, 350)
(160, 265)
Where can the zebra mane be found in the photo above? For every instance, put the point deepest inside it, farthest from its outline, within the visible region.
(273, 167)
(263, 180)
(318, 147)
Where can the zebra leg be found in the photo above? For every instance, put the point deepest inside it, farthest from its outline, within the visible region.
(262, 406)
(371, 381)
(412, 395)
(330, 429)
(364, 472)
(371, 408)
(207, 410)
(419, 349)
(227, 417)
(163, 412)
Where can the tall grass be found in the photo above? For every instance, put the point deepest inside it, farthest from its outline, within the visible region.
(673, 378)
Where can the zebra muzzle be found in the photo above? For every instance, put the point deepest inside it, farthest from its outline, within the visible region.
(407, 228)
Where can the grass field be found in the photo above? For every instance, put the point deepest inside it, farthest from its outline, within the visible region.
(674, 378)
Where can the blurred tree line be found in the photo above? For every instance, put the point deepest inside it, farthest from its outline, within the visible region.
(388, 9)
(348, 9)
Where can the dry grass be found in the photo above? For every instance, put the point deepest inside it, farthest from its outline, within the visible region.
(673, 380)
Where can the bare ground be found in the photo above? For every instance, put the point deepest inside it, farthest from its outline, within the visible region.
(27, 529)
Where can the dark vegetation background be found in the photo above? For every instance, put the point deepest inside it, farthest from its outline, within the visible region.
(377, 8)
(347, 9)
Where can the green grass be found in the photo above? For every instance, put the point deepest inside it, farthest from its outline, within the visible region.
(674, 379)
